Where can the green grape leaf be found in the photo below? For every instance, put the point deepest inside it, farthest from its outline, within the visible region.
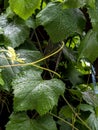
(73, 75)
(22, 122)
(24, 8)
(74, 3)
(89, 46)
(32, 92)
(90, 98)
(15, 34)
(61, 22)
(27, 55)
(66, 112)
(86, 107)
(93, 121)
(93, 15)
(78, 3)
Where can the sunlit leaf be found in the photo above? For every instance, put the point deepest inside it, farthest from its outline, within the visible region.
(24, 8)
(15, 34)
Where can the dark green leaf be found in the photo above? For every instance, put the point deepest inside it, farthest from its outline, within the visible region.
(78, 3)
(66, 112)
(69, 54)
(89, 46)
(22, 122)
(31, 92)
(73, 75)
(74, 3)
(61, 22)
(76, 93)
(93, 15)
(24, 8)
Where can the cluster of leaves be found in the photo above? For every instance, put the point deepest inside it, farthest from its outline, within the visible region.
(33, 29)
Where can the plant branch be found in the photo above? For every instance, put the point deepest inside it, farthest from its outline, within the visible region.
(76, 113)
(64, 121)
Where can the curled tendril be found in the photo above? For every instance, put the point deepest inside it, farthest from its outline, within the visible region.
(15, 57)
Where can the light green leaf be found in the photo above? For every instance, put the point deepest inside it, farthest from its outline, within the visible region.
(1, 79)
(90, 98)
(89, 46)
(61, 22)
(86, 107)
(22, 122)
(93, 121)
(31, 92)
(24, 8)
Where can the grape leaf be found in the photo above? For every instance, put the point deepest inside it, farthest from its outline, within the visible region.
(66, 112)
(22, 122)
(90, 98)
(9, 73)
(89, 46)
(86, 107)
(73, 75)
(61, 22)
(15, 34)
(31, 92)
(93, 121)
(74, 3)
(93, 15)
(78, 3)
(24, 8)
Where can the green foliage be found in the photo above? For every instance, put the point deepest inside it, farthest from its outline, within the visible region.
(23, 122)
(54, 13)
(88, 46)
(24, 8)
(41, 95)
(47, 50)
(14, 33)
